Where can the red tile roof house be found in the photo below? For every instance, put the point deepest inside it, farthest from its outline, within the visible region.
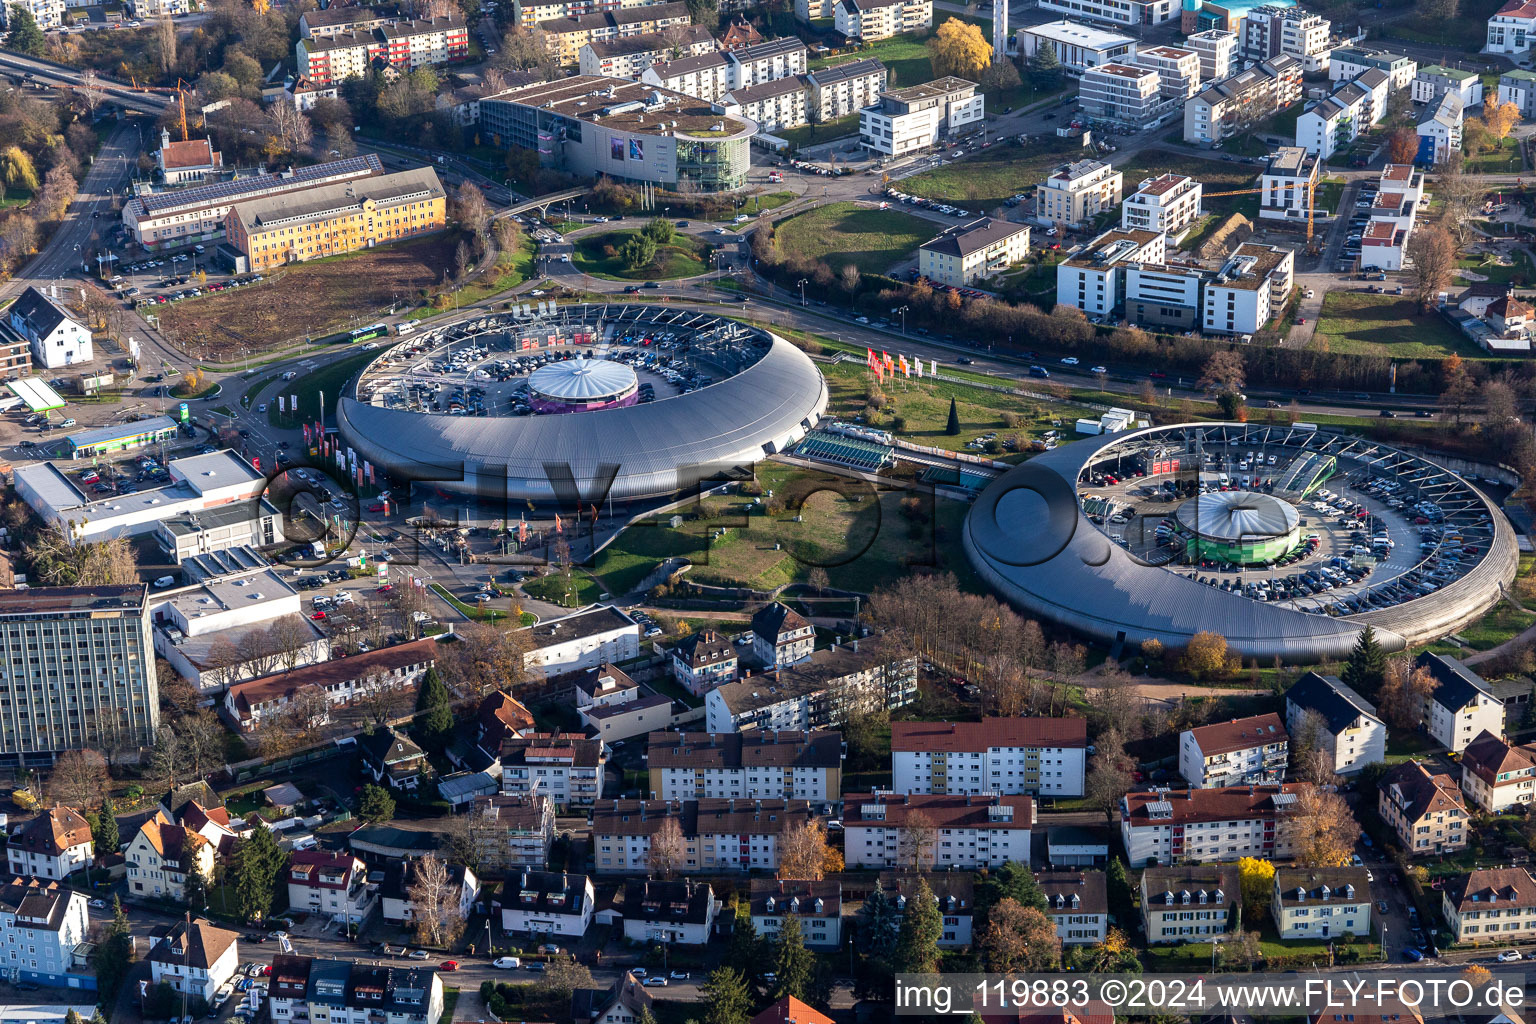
(51, 846)
(1243, 750)
(331, 883)
(343, 681)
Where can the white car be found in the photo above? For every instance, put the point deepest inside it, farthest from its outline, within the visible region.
(507, 963)
(1069, 360)
(1098, 369)
(164, 581)
(1509, 956)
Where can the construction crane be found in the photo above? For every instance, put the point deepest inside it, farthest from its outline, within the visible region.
(1311, 209)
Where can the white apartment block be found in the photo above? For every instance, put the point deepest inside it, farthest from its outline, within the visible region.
(845, 89)
(565, 767)
(1244, 750)
(1442, 128)
(1129, 13)
(547, 903)
(1288, 176)
(52, 846)
(1496, 774)
(915, 119)
(1346, 64)
(1192, 826)
(1251, 287)
(1178, 70)
(1124, 93)
(1519, 87)
(817, 694)
(1321, 903)
(1093, 278)
(1078, 47)
(1349, 727)
(718, 835)
(960, 832)
(1269, 31)
(818, 906)
(767, 61)
(1217, 49)
(966, 253)
(872, 20)
(773, 105)
(1493, 905)
(40, 926)
(758, 765)
(1434, 81)
(1077, 193)
(56, 338)
(1512, 28)
(1039, 756)
(1462, 706)
(629, 56)
(47, 13)
(1164, 294)
(1188, 903)
(330, 883)
(704, 76)
(584, 640)
(1169, 204)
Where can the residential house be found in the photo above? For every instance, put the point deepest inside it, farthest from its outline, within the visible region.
(57, 338)
(304, 988)
(1040, 756)
(962, 255)
(1461, 706)
(614, 723)
(1321, 903)
(516, 831)
(1493, 905)
(1519, 87)
(1076, 193)
(869, 21)
(1069, 846)
(675, 913)
(953, 892)
(1497, 774)
(1325, 713)
(781, 636)
(622, 1003)
(1434, 81)
(702, 661)
(553, 904)
(790, 1010)
(1242, 750)
(1077, 902)
(1187, 826)
(1512, 28)
(40, 926)
(195, 958)
(52, 846)
(1093, 276)
(1189, 903)
(566, 767)
(1426, 810)
(393, 758)
(718, 835)
(1168, 203)
(1290, 177)
(755, 765)
(956, 832)
(331, 883)
(499, 717)
(396, 902)
(161, 856)
(818, 906)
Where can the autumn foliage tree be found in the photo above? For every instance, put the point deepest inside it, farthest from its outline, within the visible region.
(1403, 146)
(1018, 938)
(1321, 829)
(1433, 252)
(959, 48)
(805, 854)
(1206, 655)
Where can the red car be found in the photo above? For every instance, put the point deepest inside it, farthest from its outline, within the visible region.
(386, 588)
(448, 965)
(318, 616)
(376, 508)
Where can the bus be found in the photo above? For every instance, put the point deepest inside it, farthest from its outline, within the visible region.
(368, 333)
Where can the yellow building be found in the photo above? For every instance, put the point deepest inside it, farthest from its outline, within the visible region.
(332, 219)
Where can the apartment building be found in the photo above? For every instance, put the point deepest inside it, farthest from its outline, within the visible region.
(916, 118)
(334, 685)
(398, 893)
(1093, 277)
(341, 992)
(767, 61)
(405, 45)
(817, 905)
(704, 76)
(517, 831)
(1236, 752)
(718, 835)
(675, 913)
(1039, 756)
(772, 105)
(40, 926)
(1497, 774)
(1512, 28)
(1519, 87)
(52, 846)
(565, 36)
(331, 883)
(704, 660)
(56, 339)
(195, 958)
(869, 21)
(162, 854)
(1494, 905)
(1440, 131)
(1271, 30)
(1321, 903)
(1251, 287)
(936, 832)
(1189, 903)
(1333, 123)
(1127, 13)
(629, 56)
(1462, 706)
(336, 21)
(1237, 103)
(1325, 713)
(1217, 49)
(1426, 810)
(1164, 294)
(531, 12)
(1077, 902)
(816, 694)
(844, 89)
(48, 14)
(1348, 63)
(1078, 47)
(1076, 193)
(88, 675)
(1178, 71)
(1125, 93)
(966, 253)
(1290, 173)
(1168, 203)
(1197, 825)
(555, 904)
(566, 767)
(954, 891)
(757, 765)
(1434, 81)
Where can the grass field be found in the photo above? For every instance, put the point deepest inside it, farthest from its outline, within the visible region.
(845, 233)
(1505, 159)
(1518, 272)
(685, 257)
(307, 299)
(905, 57)
(810, 134)
(1363, 323)
(993, 175)
(511, 270)
(327, 380)
(1215, 175)
(581, 590)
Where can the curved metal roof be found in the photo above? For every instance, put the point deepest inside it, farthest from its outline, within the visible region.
(639, 451)
(582, 379)
(1231, 517)
(1028, 537)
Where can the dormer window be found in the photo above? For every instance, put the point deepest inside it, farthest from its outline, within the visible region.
(1168, 899)
(1184, 897)
(1202, 896)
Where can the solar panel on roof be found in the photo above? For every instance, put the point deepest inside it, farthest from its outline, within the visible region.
(1284, 799)
(238, 186)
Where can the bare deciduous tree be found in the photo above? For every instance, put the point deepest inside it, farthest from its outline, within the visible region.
(435, 902)
(79, 779)
(1320, 829)
(1433, 252)
(915, 842)
(667, 847)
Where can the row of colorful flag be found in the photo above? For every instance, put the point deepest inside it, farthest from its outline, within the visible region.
(885, 363)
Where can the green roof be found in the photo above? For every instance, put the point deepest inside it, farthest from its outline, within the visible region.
(1444, 72)
(1519, 76)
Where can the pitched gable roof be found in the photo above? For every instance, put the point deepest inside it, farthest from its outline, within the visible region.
(1422, 792)
(198, 945)
(1240, 734)
(790, 1010)
(41, 313)
(773, 620)
(1489, 756)
(53, 832)
(1330, 697)
(1456, 685)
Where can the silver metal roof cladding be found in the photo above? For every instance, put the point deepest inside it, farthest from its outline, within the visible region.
(1237, 516)
(1028, 537)
(582, 379)
(646, 451)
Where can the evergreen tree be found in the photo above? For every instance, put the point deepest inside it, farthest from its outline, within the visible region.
(917, 943)
(25, 36)
(434, 713)
(744, 954)
(1367, 664)
(1011, 881)
(1046, 67)
(1121, 898)
(113, 955)
(953, 426)
(196, 889)
(793, 964)
(376, 805)
(727, 998)
(878, 922)
(104, 828)
(257, 863)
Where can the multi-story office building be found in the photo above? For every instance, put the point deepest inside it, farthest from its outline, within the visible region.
(1078, 47)
(1243, 750)
(1077, 193)
(1249, 289)
(870, 21)
(966, 253)
(52, 846)
(936, 832)
(1186, 826)
(1348, 63)
(40, 926)
(1217, 49)
(1168, 203)
(629, 56)
(844, 89)
(1188, 903)
(1491, 905)
(718, 835)
(405, 45)
(1237, 103)
(566, 767)
(757, 765)
(1424, 808)
(1125, 93)
(82, 672)
(1040, 756)
(1290, 175)
(1128, 13)
(819, 693)
(1323, 712)
(1093, 278)
(914, 119)
(1497, 774)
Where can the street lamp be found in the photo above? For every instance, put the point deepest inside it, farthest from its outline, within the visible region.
(802, 291)
(903, 312)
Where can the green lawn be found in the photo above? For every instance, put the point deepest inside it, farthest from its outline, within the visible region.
(1504, 159)
(845, 233)
(983, 181)
(905, 57)
(767, 201)
(1499, 625)
(1518, 272)
(328, 380)
(1364, 323)
(478, 612)
(811, 134)
(581, 590)
(511, 270)
(21, 197)
(685, 256)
